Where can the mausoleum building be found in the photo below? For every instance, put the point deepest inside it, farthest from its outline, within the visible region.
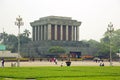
(54, 31)
(55, 28)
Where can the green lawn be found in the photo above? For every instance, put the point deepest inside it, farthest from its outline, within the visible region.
(60, 73)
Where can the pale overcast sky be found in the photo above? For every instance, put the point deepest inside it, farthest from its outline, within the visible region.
(95, 15)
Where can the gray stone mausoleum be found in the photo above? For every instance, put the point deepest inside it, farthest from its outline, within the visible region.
(54, 31)
(55, 28)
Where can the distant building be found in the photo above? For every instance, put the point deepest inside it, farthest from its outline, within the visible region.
(8, 54)
(55, 28)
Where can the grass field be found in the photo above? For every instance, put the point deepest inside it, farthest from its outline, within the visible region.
(60, 73)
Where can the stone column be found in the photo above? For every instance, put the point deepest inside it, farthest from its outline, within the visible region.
(77, 33)
(66, 32)
(74, 33)
(33, 33)
(49, 31)
(45, 32)
(37, 34)
(41, 32)
(61, 32)
(55, 32)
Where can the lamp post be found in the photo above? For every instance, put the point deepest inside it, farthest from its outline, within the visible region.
(18, 23)
(110, 29)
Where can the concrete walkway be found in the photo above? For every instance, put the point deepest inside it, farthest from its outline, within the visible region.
(74, 63)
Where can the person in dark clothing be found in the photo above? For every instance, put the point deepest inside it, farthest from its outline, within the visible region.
(2, 61)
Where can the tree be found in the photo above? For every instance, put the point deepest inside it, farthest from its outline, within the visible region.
(105, 44)
(24, 39)
(57, 49)
(3, 37)
(26, 33)
(93, 47)
(12, 43)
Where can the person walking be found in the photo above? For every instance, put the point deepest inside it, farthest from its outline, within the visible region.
(55, 60)
(2, 61)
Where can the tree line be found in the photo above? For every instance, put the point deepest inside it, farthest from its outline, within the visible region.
(96, 48)
(11, 40)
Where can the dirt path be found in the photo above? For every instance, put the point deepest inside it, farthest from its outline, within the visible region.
(74, 63)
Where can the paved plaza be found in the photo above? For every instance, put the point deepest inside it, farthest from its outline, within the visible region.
(74, 63)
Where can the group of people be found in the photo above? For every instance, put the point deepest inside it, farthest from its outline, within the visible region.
(53, 60)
